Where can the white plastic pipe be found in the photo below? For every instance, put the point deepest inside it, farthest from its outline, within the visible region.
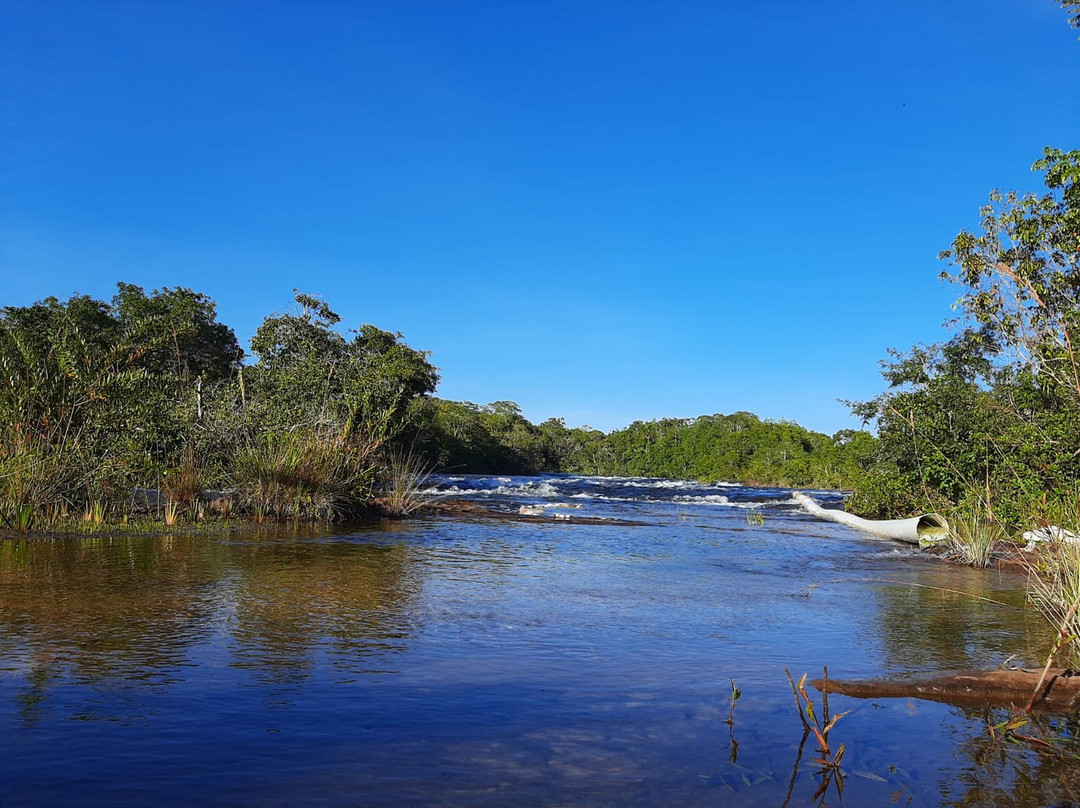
(929, 528)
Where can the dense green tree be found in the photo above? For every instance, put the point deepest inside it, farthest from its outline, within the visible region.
(993, 414)
(97, 396)
(179, 332)
(308, 374)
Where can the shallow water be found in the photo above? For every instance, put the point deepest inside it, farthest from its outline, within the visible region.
(480, 662)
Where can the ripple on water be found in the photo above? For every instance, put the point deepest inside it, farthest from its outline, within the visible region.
(478, 662)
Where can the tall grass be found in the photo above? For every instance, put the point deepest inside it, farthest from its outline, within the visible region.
(1054, 589)
(973, 537)
(404, 478)
(36, 482)
(303, 474)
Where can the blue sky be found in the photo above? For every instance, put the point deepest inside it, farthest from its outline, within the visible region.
(605, 211)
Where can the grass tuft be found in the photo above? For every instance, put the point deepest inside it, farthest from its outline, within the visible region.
(974, 538)
(404, 479)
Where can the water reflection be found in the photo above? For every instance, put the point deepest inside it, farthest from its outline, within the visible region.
(996, 772)
(116, 613)
(489, 663)
(291, 600)
(943, 618)
(105, 608)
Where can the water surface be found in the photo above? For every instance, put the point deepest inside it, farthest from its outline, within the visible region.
(480, 662)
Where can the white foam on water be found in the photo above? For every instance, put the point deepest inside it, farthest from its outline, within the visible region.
(456, 490)
(663, 484)
(602, 498)
(543, 489)
(710, 499)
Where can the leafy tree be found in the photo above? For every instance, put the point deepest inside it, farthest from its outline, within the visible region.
(1073, 8)
(87, 396)
(308, 374)
(1022, 273)
(993, 414)
(179, 332)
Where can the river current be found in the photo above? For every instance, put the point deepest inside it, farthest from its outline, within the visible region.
(572, 660)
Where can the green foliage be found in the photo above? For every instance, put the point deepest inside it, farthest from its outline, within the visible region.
(302, 474)
(493, 438)
(148, 391)
(496, 439)
(98, 397)
(309, 374)
(991, 418)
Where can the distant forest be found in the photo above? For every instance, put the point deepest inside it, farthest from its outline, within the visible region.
(740, 447)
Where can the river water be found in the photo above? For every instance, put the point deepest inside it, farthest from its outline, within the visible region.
(480, 662)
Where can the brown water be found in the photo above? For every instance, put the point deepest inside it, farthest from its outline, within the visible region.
(456, 662)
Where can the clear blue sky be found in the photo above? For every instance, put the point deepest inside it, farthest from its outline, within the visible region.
(605, 211)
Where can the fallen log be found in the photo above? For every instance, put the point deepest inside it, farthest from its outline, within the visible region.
(1059, 693)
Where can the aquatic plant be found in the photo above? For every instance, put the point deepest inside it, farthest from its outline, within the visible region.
(734, 697)
(95, 513)
(733, 745)
(172, 512)
(820, 726)
(755, 518)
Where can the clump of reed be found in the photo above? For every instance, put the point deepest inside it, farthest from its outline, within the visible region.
(183, 487)
(33, 484)
(301, 474)
(1054, 589)
(974, 537)
(404, 478)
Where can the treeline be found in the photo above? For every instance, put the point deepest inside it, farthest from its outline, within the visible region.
(988, 421)
(145, 403)
(496, 438)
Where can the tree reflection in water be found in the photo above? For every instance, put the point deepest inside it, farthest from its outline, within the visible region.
(292, 600)
(127, 612)
(951, 618)
(999, 772)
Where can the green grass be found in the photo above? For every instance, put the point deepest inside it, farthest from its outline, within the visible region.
(974, 538)
(404, 477)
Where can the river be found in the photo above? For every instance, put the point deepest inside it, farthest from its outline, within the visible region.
(481, 662)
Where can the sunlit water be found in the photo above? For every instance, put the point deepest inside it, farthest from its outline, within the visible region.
(471, 661)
